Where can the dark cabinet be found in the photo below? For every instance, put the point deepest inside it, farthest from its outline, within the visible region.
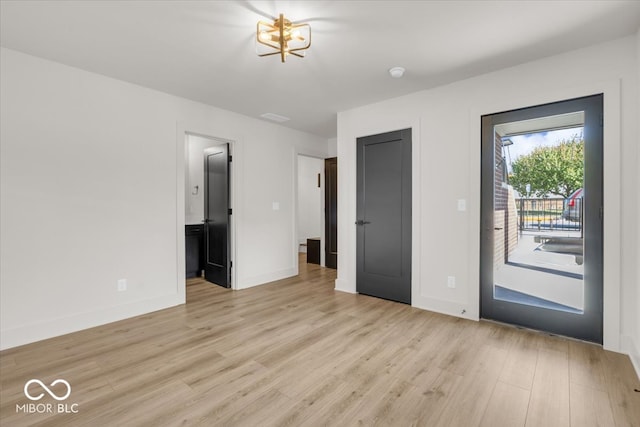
(194, 249)
(313, 250)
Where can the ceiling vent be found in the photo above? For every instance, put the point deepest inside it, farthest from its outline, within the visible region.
(275, 117)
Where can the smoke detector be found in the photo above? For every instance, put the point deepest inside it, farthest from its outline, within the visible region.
(396, 72)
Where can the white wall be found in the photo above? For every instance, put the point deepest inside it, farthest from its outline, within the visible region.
(92, 191)
(446, 167)
(310, 196)
(332, 144)
(634, 345)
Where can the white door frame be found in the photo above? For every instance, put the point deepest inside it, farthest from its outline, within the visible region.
(182, 133)
(322, 206)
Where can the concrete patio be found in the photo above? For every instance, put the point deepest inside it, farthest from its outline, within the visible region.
(551, 276)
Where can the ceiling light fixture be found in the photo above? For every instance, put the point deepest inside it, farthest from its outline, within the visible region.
(396, 72)
(284, 37)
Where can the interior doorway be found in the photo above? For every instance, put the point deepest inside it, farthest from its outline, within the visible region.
(310, 208)
(383, 208)
(541, 236)
(209, 209)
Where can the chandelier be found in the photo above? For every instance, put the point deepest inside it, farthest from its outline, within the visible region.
(283, 38)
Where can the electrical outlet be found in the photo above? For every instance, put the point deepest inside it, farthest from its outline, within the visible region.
(122, 285)
(451, 281)
(462, 205)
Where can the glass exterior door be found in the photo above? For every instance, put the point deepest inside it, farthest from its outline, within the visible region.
(541, 257)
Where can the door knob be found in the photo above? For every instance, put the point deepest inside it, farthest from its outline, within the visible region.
(361, 222)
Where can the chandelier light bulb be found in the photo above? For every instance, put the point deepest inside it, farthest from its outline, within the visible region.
(283, 38)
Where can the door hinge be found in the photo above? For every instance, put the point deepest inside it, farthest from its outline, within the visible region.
(230, 158)
(230, 264)
(230, 211)
(601, 121)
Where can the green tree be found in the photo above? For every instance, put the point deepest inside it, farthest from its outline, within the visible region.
(550, 170)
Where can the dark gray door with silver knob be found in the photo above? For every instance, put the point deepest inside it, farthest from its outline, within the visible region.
(384, 216)
(217, 267)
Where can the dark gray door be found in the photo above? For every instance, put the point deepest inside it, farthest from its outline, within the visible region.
(217, 268)
(384, 216)
(331, 212)
(549, 276)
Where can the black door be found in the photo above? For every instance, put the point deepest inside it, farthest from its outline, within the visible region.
(217, 268)
(331, 212)
(548, 274)
(384, 216)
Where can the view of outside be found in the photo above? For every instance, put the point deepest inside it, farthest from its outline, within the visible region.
(538, 219)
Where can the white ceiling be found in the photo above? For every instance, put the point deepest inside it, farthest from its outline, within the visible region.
(205, 51)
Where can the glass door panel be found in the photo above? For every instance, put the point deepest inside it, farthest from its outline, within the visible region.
(541, 263)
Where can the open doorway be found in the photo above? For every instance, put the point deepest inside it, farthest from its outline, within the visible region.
(209, 239)
(310, 218)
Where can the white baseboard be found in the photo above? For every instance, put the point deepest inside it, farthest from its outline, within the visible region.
(632, 348)
(343, 286)
(450, 308)
(27, 334)
(263, 279)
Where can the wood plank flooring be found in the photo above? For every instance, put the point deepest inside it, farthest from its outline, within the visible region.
(297, 353)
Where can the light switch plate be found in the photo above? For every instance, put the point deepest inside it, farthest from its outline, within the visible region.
(451, 281)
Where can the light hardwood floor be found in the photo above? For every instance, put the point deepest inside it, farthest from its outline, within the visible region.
(295, 352)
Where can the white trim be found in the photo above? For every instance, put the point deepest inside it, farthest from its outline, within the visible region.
(445, 307)
(294, 192)
(264, 279)
(181, 156)
(51, 328)
(343, 286)
(473, 214)
(630, 347)
(416, 213)
(612, 202)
